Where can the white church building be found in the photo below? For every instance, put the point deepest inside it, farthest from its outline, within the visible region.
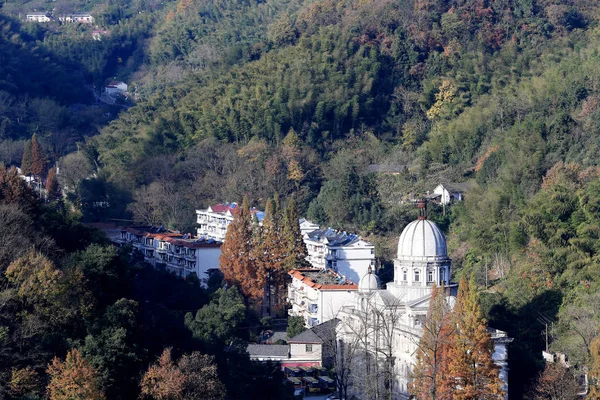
(385, 325)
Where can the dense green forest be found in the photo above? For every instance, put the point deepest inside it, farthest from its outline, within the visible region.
(251, 98)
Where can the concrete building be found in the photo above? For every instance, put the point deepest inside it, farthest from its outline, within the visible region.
(347, 254)
(317, 295)
(179, 253)
(393, 319)
(84, 18)
(39, 17)
(448, 193)
(215, 219)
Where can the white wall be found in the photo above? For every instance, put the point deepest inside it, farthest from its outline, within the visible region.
(298, 352)
(207, 258)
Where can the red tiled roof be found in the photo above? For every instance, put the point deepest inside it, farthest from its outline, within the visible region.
(309, 282)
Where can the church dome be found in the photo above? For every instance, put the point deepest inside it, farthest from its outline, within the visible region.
(422, 240)
(368, 283)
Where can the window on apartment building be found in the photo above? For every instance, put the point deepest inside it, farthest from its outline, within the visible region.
(334, 264)
(309, 348)
(417, 275)
(372, 251)
(334, 253)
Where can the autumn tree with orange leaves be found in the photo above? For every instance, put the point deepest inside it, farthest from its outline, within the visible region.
(193, 377)
(237, 261)
(429, 376)
(472, 373)
(73, 379)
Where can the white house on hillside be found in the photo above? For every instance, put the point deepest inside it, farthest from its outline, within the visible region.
(39, 17)
(346, 254)
(448, 193)
(317, 295)
(181, 254)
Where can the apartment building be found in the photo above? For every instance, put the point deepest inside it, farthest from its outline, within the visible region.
(213, 221)
(347, 254)
(179, 253)
(317, 295)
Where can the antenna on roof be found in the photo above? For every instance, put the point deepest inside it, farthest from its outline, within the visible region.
(422, 206)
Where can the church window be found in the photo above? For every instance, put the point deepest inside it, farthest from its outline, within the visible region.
(430, 275)
(404, 275)
(417, 275)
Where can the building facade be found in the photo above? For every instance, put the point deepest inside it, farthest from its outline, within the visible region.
(38, 17)
(317, 295)
(181, 254)
(347, 254)
(213, 221)
(84, 18)
(383, 327)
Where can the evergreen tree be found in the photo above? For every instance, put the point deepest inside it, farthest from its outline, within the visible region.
(429, 381)
(471, 369)
(38, 160)
(271, 255)
(296, 248)
(52, 187)
(26, 160)
(236, 262)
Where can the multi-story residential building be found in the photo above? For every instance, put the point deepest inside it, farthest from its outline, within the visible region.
(317, 295)
(346, 254)
(39, 17)
(181, 254)
(215, 219)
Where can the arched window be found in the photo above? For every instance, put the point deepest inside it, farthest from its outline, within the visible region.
(405, 275)
(430, 275)
(417, 275)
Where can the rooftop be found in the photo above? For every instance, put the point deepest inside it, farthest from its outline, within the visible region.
(317, 334)
(268, 350)
(323, 279)
(333, 237)
(175, 237)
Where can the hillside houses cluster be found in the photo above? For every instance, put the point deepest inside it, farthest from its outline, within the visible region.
(43, 16)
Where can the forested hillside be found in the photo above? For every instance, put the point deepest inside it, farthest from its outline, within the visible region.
(253, 98)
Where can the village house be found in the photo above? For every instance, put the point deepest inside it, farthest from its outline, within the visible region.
(317, 295)
(347, 254)
(84, 18)
(312, 348)
(182, 254)
(115, 88)
(98, 34)
(448, 193)
(38, 17)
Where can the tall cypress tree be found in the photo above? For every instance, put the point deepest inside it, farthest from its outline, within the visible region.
(472, 372)
(429, 376)
(52, 187)
(38, 160)
(296, 251)
(26, 160)
(237, 260)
